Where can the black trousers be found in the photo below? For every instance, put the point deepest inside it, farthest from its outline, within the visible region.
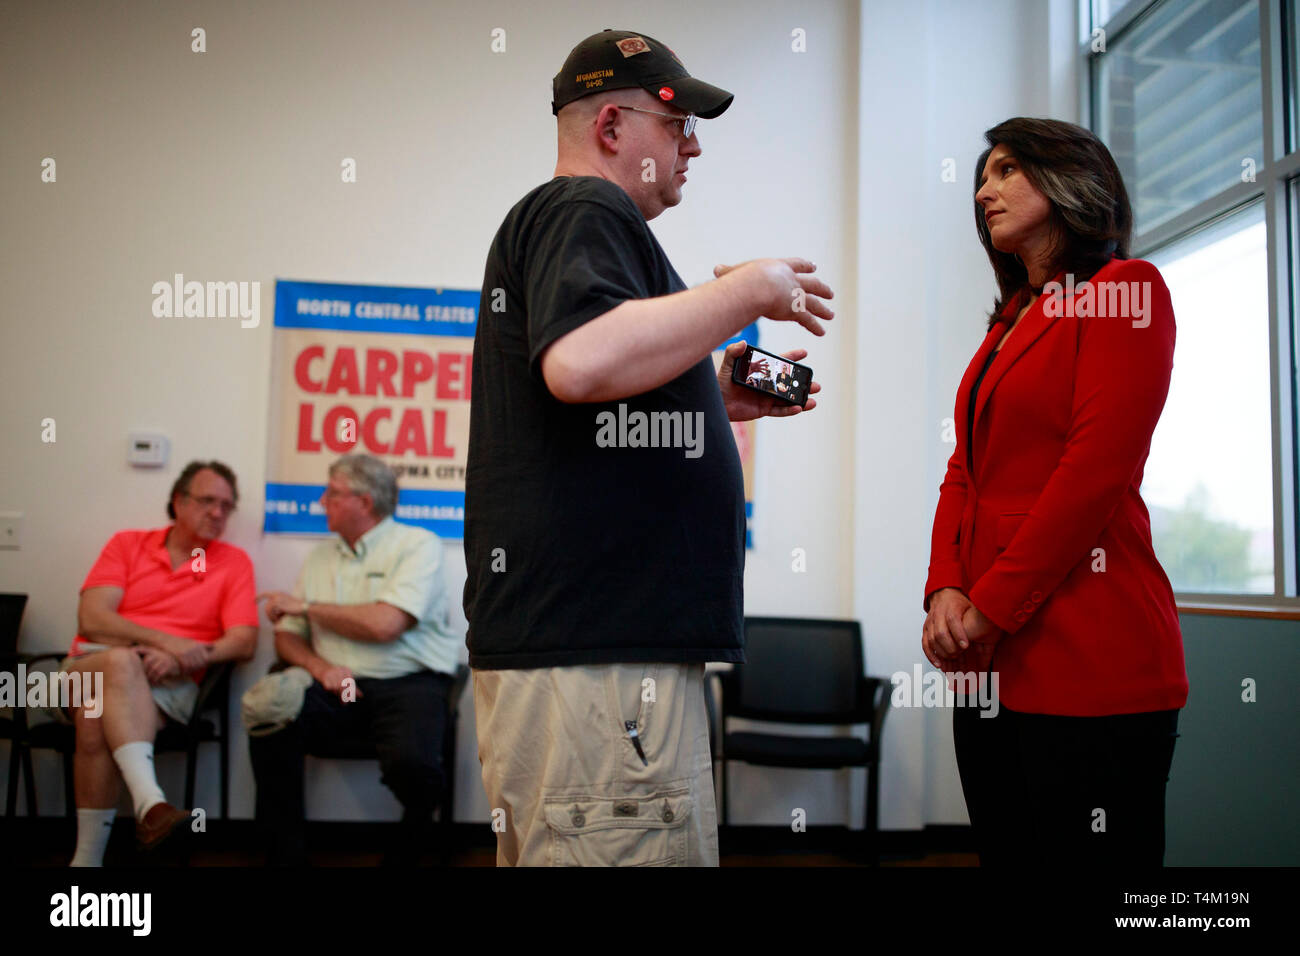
(402, 718)
(1046, 790)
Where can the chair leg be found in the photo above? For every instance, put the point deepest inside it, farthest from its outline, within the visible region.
(69, 786)
(449, 779)
(224, 757)
(30, 782)
(191, 768)
(726, 791)
(11, 790)
(871, 825)
(447, 803)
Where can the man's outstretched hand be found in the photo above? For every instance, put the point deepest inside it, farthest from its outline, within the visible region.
(744, 404)
(786, 290)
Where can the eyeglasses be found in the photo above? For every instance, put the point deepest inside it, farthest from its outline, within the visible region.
(335, 493)
(207, 501)
(687, 121)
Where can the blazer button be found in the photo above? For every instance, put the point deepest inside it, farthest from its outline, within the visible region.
(1036, 596)
(1029, 607)
(1020, 616)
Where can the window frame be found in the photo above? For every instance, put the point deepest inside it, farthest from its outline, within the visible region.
(1277, 186)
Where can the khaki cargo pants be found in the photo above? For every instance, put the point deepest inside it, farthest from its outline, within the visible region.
(563, 776)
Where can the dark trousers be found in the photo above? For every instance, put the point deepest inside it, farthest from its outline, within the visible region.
(402, 719)
(1046, 790)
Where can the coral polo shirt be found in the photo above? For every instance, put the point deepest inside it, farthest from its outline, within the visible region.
(186, 602)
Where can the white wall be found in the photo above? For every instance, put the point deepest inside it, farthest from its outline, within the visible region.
(225, 166)
(934, 76)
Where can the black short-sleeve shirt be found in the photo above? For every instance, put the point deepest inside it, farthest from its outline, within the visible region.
(584, 542)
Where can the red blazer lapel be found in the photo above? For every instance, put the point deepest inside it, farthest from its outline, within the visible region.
(1032, 326)
(962, 409)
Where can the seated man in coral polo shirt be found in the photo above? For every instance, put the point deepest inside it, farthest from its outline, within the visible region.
(157, 608)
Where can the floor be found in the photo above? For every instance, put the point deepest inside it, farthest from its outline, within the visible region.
(487, 857)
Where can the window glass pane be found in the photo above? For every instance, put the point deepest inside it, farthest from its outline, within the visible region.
(1180, 106)
(1108, 8)
(1292, 61)
(1209, 480)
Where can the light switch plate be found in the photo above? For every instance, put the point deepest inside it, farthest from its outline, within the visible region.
(11, 530)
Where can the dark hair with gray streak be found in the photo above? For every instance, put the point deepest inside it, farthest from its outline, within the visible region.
(181, 486)
(367, 475)
(1091, 220)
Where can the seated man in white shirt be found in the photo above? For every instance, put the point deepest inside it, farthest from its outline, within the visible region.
(370, 620)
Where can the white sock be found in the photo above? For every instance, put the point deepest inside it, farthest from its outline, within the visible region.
(93, 830)
(135, 760)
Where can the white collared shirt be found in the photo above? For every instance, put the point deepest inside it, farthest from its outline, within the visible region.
(395, 563)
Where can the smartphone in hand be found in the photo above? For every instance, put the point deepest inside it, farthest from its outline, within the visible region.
(773, 375)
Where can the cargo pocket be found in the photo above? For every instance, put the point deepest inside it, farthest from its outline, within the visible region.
(641, 830)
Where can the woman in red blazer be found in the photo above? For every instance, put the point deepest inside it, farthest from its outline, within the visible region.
(1041, 567)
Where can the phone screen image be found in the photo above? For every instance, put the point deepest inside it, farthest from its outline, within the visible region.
(779, 377)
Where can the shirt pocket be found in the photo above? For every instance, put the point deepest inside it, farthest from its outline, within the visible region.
(642, 830)
(1008, 525)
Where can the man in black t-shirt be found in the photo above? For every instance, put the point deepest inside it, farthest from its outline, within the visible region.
(604, 524)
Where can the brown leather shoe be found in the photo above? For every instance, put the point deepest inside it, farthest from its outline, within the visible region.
(159, 823)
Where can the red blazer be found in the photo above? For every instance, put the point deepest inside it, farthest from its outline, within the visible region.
(1063, 424)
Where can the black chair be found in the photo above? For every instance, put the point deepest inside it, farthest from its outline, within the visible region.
(11, 619)
(14, 728)
(353, 748)
(801, 671)
(214, 695)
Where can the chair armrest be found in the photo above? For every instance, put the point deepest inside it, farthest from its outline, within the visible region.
(727, 687)
(877, 690)
(212, 680)
(22, 658)
(711, 709)
(11, 662)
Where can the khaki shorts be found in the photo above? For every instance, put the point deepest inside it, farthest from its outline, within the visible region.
(563, 778)
(176, 698)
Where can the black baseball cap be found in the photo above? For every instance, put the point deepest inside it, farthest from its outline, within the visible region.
(622, 59)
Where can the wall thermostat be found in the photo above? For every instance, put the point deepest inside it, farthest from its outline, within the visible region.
(147, 449)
